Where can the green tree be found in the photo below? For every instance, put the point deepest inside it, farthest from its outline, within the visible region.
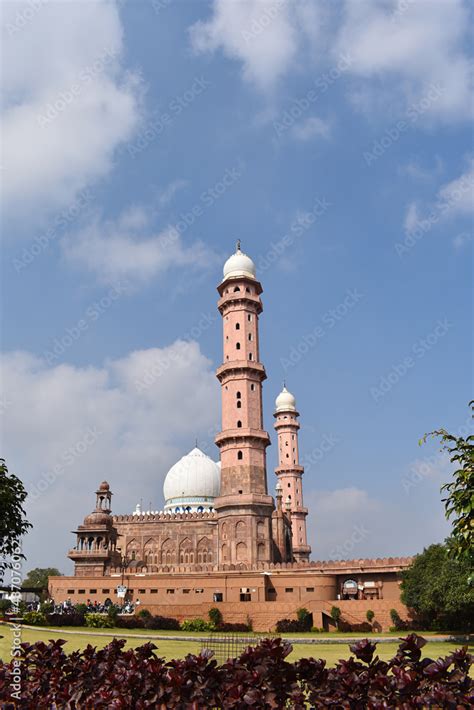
(436, 587)
(370, 615)
(38, 577)
(13, 522)
(336, 615)
(459, 502)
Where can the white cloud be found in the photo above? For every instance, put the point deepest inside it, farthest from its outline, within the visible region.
(459, 193)
(127, 422)
(68, 102)
(408, 49)
(462, 239)
(116, 249)
(454, 199)
(351, 523)
(401, 54)
(312, 127)
(415, 170)
(265, 36)
(412, 217)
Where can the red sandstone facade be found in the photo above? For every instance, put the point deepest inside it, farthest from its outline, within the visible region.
(242, 550)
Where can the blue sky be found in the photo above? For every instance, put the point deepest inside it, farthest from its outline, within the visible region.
(140, 141)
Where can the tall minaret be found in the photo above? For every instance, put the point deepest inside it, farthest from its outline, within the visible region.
(290, 472)
(244, 507)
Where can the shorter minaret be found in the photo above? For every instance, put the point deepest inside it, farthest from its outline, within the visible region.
(290, 473)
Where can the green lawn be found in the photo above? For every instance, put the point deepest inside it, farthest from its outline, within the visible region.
(177, 649)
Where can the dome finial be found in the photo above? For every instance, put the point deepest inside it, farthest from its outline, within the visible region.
(237, 246)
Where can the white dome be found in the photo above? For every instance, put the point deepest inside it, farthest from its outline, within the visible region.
(192, 483)
(239, 264)
(285, 401)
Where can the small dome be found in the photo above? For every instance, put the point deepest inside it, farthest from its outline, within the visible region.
(192, 483)
(285, 401)
(104, 486)
(239, 264)
(98, 517)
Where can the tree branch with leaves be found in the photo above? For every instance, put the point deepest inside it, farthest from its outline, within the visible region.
(13, 522)
(459, 501)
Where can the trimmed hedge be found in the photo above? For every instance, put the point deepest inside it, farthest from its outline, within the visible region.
(111, 678)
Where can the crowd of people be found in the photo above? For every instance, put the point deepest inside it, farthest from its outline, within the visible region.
(89, 607)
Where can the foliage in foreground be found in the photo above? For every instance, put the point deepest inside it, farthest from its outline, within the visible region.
(438, 589)
(112, 679)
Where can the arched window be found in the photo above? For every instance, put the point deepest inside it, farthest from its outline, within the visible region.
(238, 395)
(237, 326)
(239, 424)
(200, 509)
(239, 404)
(236, 288)
(252, 387)
(237, 345)
(240, 455)
(250, 356)
(250, 336)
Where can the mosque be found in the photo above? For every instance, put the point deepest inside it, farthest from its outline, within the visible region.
(222, 538)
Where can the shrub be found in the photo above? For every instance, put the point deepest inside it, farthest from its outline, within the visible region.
(370, 615)
(98, 621)
(336, 615)
(5, 605)
(129, 622)
(285, 626)
(112, 613)
(261, 677)
(34, 618)
(305, 619)
(395, 617)
(144, 614)
(47, 607)
(72, 619)
(81, 608)
(162, 622)
(215, 616)
(196, 625)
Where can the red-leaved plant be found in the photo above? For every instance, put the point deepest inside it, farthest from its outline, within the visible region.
(115, 679)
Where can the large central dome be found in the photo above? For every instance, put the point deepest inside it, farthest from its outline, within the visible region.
(192, 483)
